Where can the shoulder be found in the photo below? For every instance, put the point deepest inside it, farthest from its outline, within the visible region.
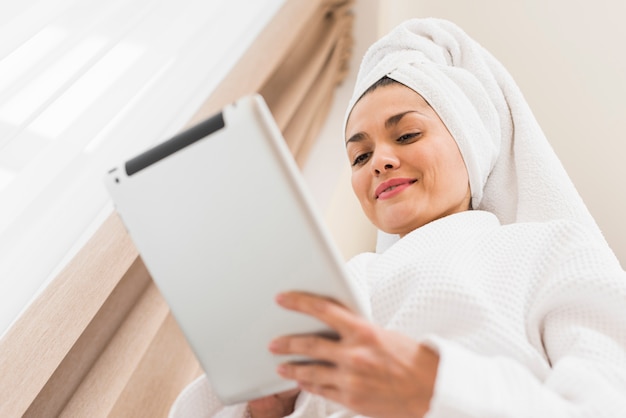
(571, 255)
(563, 236)
(544, 249)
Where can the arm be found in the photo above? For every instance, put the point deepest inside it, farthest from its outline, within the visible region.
(379, 373)
(582, 325)
(580, 315)
(370, 370)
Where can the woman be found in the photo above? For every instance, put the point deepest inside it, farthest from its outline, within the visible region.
(499, 297)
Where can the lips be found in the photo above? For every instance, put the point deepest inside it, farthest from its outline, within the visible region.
(392, 187)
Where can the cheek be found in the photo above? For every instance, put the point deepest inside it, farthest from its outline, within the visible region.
(459, 179)
(461, 170)
(453, 165)
(360, 186)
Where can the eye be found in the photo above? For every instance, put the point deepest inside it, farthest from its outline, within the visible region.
(361, 159)
(407, 138)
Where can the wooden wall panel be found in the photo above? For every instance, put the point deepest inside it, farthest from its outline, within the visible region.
(177, 366)
(93, 341)
(108, 378)
(35, 346)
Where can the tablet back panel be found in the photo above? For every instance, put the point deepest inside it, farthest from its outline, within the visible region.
(223, 222)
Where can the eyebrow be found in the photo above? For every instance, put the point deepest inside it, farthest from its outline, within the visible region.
(395, 119)
(389, 123)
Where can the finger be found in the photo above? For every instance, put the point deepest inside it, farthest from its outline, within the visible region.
(321, 380)
(312, 346)
(327, 380)
(330, 312)
(309, 373)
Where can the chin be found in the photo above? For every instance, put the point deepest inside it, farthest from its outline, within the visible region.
(396, 229)
(392, 226)
(397, 220)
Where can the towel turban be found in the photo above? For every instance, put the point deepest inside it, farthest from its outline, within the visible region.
(513, 171)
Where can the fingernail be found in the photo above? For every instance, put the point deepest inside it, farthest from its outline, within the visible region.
(282, 369)
(275, 345)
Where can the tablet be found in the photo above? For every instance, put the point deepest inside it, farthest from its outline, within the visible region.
(223, 222)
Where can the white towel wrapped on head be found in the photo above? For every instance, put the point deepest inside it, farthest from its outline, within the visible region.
(513, 171)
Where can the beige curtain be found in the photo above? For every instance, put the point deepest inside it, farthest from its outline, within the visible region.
(100, 340)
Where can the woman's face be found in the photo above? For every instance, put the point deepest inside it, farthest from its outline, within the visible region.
(407, 169)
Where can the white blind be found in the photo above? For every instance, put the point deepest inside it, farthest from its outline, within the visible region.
(83, 85)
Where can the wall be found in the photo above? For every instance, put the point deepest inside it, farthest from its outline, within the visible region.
(327, 169)
(567, 57)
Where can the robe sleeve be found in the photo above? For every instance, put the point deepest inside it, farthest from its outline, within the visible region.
(580, 315)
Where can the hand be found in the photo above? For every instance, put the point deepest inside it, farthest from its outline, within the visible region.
(274, 406)
(370, 370)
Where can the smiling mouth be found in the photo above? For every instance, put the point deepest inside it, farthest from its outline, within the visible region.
(388, 189)
(387, 192)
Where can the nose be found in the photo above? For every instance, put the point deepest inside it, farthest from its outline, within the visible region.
(384, 159)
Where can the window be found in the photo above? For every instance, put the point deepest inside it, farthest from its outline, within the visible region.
(84, 84)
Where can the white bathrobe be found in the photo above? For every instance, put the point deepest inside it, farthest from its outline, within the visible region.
(529, 319)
